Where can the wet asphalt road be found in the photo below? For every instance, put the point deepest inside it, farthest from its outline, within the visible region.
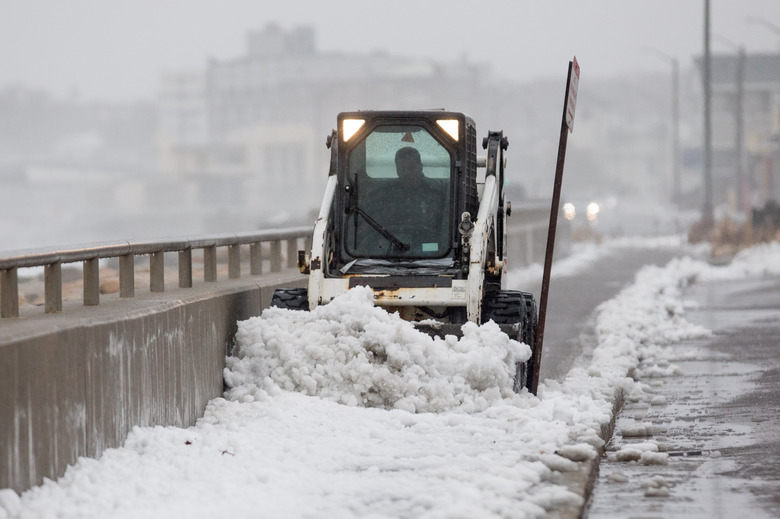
(718, 418)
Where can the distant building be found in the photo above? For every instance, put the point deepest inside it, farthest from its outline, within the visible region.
(761, 126)
(182, 127)
(251, 130)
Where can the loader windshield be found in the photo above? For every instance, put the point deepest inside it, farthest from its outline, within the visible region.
(399, 200)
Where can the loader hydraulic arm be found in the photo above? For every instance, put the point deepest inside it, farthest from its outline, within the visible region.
(485, 226)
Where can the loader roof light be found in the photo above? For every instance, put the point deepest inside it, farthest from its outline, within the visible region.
(450, 126)
(350, 127)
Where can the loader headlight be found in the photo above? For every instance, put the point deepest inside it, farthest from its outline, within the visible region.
(350, 126)
(450, 126)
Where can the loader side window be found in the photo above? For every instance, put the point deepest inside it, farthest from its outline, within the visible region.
(400, 178)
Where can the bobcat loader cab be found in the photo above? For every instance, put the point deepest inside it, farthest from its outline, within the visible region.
(405, 214)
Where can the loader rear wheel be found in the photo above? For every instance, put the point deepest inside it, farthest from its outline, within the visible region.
(291, 298)
(515, 307)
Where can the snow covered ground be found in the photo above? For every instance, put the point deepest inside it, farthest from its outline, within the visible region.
(584, 254)
(347, 411)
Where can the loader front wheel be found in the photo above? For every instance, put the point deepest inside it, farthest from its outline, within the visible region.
(291, 298)
(515, 308)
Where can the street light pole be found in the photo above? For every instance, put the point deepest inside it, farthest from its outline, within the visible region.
(707, 216)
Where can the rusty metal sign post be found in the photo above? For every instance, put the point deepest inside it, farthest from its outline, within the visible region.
(567, 125)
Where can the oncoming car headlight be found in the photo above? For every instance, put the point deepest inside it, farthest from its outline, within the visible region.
(592, 211)
(568, 211)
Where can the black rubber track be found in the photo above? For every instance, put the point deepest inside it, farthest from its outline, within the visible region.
(515, 307)
(291, 298)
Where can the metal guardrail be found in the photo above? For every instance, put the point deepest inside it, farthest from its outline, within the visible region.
(52, 259)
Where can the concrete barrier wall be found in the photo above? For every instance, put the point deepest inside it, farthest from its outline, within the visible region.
(74, 384)
(527, 235)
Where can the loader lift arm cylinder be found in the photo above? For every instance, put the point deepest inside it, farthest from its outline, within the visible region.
(485, 226)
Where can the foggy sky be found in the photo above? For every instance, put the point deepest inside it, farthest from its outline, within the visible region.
(116, 50)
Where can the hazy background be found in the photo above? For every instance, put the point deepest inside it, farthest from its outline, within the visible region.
(116, 50)
(81, 84)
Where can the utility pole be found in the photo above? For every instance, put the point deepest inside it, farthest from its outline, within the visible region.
(707, 216)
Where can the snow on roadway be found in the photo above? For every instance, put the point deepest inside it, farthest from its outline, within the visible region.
(586, 254)
(349, 412)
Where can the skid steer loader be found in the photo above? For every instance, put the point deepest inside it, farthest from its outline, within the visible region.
(411, 211)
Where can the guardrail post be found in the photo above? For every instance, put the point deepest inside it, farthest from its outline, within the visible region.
(234, 261)
(157, 272)
(52, 281)
(91, 282)
(276, 256)
(185, 268)
(256, 258)
(9, 293)
(210, 263)
(127, 276)
(292, 252)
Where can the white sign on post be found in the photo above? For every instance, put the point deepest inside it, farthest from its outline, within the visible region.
(571, 104)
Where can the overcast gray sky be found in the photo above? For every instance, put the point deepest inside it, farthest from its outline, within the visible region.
(106, 49)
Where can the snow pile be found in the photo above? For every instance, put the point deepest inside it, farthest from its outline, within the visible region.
(631, 328)
(10, 504)
(354, 353)
(761, 260)
(585, 254)
(298, 456)
(400, 425)
(647, 314)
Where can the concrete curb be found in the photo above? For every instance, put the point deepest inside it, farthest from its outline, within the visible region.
(582, 481)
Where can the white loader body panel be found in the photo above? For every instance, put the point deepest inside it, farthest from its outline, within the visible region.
(317, 258)
(454, 295)
(478, 245)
